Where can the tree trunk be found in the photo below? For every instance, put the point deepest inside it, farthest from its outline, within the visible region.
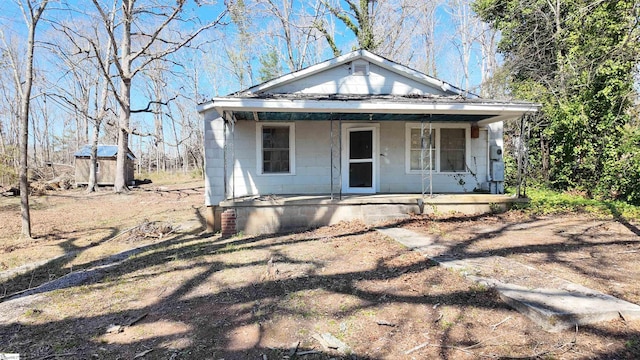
(93, 175)
(24, 123)
(125, 98)
(123, 138)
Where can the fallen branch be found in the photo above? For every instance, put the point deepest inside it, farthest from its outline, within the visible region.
(463, 349)
(136, 320)
(308, 352)
(416, 348)
(385, 323)
(294, 348)
(53, 356)
(566, 347)
(495, 326)
(142, 354)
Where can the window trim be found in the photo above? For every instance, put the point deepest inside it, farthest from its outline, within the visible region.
(292, 148)
(436, 129)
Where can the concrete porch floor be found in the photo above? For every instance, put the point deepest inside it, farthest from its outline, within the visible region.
(277, 213)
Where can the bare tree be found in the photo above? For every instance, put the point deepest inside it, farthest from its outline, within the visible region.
(23, 78)
(130, 58)
(467, 26)
(84, 91)
(294, 26)
(358, 18)
(157, 89)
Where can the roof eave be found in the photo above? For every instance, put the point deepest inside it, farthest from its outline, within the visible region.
(500, 111)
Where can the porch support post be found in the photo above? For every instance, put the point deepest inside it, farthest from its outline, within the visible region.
(233, 156)
(212, 218)
(335, 148)
(522, 157)
(340, 153)
(224, 153)
(331, 153)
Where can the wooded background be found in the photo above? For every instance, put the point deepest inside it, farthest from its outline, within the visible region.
(132, 72)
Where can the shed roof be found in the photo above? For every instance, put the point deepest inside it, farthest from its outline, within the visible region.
(104, 151)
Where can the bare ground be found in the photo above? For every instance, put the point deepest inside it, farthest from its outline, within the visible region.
(186, 295)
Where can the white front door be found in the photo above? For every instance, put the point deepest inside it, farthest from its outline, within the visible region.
(360, 160)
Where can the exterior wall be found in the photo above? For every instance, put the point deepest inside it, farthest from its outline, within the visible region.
(394, 177)
(130, 172)
(107, 173)
(213, 158)
(339, 80)
(313, 162)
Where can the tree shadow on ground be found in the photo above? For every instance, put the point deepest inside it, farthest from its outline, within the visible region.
(210, 324)
(210, 321)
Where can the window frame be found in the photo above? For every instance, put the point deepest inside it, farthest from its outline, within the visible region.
(260, 148)
(435, 127)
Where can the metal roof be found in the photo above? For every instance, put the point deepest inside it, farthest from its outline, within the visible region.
(366, 98)
(104, 151)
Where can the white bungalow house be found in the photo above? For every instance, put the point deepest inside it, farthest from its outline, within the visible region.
(357, 136)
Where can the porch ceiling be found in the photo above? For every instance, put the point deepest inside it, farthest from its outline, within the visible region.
(323, 116)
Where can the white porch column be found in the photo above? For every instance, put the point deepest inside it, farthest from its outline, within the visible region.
(213, 167)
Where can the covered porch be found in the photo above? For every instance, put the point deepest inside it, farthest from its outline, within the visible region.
(276, 213)
(354, 137)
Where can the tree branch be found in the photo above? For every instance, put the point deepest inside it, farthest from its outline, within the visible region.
(158, 102)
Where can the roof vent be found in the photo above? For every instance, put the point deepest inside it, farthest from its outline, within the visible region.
(360, 68)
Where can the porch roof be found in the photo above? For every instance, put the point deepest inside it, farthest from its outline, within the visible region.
(309, 107)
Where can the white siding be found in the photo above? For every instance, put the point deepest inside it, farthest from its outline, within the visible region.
(339, 80)
(312, 172)
(313, 167)
(393, 176)
(214, 158)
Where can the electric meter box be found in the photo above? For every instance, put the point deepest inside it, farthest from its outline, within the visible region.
(497, 171)
(495, 152)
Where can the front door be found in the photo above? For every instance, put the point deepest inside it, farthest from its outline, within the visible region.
(359, 160)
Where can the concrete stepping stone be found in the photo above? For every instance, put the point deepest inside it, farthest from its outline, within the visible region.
(551, 302)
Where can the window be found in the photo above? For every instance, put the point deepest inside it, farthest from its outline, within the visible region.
(445, 149)
(275, 153)
(452, 150)
(419, 142)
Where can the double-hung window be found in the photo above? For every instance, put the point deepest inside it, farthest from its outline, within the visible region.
(276, 148)
(452, 150)
(422, 149)
(444, 149)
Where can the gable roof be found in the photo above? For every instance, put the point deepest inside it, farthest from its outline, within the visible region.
(350, 57)
(323, 92)
(103, 151)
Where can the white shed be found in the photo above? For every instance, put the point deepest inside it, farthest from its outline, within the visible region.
(358, 126)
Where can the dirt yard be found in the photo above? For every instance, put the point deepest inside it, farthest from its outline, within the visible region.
(187, 295)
